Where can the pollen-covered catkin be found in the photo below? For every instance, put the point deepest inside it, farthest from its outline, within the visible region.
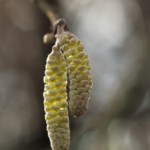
(55, 100)
(79, 72)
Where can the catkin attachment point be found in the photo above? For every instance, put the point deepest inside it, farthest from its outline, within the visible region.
(60, 26)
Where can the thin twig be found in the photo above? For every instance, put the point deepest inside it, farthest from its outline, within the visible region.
(47, 9)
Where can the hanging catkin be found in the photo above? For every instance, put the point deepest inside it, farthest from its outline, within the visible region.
(55, 100)
(78, 69)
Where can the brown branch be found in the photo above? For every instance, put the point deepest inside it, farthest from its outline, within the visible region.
(47, 9)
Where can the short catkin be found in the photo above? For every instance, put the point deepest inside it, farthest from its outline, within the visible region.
(55, 100)
(79, 72)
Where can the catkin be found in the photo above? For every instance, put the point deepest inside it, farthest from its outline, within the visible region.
(55, 100)
(79, 72)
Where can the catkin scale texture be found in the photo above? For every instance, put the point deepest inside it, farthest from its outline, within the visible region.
(79, 72)
(55, 100)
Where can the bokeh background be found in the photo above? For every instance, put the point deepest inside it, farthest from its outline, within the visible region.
(116, 35)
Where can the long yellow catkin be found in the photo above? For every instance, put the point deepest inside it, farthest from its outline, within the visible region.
(79, 72)
(55, 100)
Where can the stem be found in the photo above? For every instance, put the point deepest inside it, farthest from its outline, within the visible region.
(47, 9)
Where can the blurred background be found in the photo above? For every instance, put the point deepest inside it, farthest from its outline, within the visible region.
(116, 35)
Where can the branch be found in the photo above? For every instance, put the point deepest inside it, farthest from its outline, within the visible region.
(47, 9)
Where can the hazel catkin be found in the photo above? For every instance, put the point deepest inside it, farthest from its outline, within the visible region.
(55, 100)
(79, 72)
